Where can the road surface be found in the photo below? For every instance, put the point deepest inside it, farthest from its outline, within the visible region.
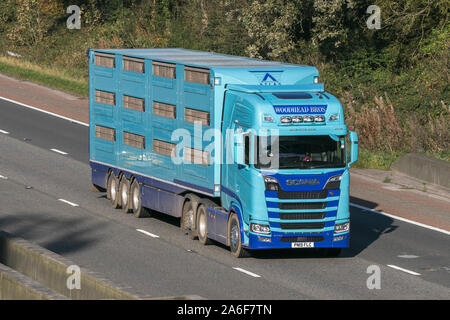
(45, 197)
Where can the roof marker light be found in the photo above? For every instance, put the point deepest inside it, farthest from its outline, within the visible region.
(267, 118)
(286, 119)
(308, 119)
(334, 117)
(297, 119)
(319, 119)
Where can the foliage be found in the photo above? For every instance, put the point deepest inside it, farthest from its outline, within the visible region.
(393, 82)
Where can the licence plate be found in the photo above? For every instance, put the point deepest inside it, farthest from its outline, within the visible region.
(302, 244)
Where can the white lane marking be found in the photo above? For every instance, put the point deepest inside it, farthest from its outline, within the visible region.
(404, 270)
(247, 272)
(44, 111)
(4, 132)
(3, 177)
(59, 151)
(401, 219)
(147, 233)
(408, 256)
(68, 202)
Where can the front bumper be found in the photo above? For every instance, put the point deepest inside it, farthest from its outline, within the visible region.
(279, 240)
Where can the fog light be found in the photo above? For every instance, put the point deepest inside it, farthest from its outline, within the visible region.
(342, 227)
(339, 238)
(260, 228)
(264, 239)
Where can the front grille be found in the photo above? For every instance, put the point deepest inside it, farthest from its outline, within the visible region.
(307, 225)
(302, 194)
(302, 216)
(302, 239)
(302, 205)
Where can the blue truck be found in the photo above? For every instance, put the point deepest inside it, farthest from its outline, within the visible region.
(250, 153)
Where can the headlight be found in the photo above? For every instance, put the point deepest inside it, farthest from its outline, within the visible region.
(260, 228)
(335, 178)
(271, 184)
(342, 227)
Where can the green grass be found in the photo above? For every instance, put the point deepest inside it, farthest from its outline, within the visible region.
(376, 160)
(49, 77)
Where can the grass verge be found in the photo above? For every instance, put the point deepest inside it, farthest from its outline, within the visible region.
(376, 160)
(72, 82)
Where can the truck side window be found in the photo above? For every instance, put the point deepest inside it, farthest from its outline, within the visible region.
(247, 149)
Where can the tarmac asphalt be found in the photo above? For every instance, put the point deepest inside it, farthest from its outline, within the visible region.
(45, 197)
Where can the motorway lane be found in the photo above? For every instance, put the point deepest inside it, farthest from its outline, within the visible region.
(153, 265)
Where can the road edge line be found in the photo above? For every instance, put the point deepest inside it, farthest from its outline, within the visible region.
(44, 111)
(401, 219)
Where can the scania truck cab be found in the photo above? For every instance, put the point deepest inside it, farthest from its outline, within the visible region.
(289, 182)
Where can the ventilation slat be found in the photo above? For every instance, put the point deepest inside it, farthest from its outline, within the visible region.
(163, 147)
(134, 64)
(105, 97)
(197, 75)
(192, 115)
(165, 70)
(134, 140)
(105, 133)
(137, 104)
(164, 110)
(105, 60)
(197, 156)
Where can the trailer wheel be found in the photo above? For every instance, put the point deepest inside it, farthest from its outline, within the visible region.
(234, 237)
(202, 225)
(112, 190)
(124, 194)
(187, 218)
(136, 201)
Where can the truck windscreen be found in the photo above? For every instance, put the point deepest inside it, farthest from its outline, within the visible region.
(300, 152)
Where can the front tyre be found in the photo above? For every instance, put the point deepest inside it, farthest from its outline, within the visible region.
(234, 237)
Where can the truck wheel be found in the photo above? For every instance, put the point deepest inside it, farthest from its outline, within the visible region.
(234, 237)
(112, 191)
(124, 194)
(202, 225)
(136, 201)
(187, 218)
